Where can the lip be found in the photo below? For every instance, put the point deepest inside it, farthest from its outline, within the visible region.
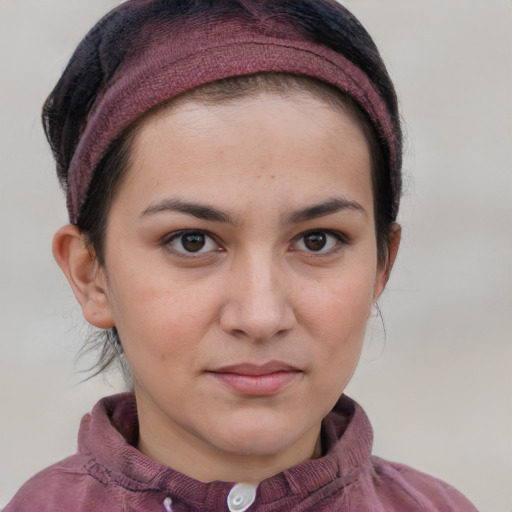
(255, 379)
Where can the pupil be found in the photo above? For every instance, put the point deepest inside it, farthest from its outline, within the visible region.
(193, 242)
(315, 241)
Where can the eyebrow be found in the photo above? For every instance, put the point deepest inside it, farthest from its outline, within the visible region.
(204, 212)
(323, 209)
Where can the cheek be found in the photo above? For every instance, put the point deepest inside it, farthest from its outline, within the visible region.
(338, 309)
(158, 315)
(337, 314)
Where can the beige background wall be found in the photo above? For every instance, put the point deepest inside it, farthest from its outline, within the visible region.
(438, 388)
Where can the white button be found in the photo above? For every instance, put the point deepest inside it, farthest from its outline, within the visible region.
(241, 497)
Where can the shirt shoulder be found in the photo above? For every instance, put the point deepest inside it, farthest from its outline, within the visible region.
(66, 485)
(417, 487)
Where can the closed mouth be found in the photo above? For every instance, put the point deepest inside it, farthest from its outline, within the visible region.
(257, 380)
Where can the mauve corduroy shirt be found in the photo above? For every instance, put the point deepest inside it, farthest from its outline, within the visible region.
(108, 474)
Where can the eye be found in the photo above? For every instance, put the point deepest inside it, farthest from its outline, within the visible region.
(318, 241)
(192, 242)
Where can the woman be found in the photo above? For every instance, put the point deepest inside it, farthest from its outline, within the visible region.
(233, 181)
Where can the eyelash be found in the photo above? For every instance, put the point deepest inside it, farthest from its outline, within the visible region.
(176, 236)
(339, 243)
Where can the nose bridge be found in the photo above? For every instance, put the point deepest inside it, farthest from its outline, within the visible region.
(263, 283)
(258, 304)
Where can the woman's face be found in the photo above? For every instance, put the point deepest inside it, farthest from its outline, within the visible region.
(240, 271)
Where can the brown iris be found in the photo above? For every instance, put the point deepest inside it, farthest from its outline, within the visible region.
(193, 242)
(315, 241)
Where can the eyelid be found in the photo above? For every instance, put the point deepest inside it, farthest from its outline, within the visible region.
(170, 237)
(342, 241)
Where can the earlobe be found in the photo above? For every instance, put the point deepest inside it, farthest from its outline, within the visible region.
(85, 276)
(385, 269)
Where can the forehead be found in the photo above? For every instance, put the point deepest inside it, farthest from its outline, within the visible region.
(297, 141)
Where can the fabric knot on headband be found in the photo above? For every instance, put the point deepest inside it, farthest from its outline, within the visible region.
(171, 58)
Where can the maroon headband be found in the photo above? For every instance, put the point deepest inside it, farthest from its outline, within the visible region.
(173, 60)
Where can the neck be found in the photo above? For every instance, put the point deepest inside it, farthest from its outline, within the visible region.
(175, 447)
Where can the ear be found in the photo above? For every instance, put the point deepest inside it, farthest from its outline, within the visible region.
(385, 267)
(84, 274)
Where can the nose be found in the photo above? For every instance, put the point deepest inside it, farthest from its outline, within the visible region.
(257, 305)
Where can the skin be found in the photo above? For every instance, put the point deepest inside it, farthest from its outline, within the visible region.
(256, 292)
